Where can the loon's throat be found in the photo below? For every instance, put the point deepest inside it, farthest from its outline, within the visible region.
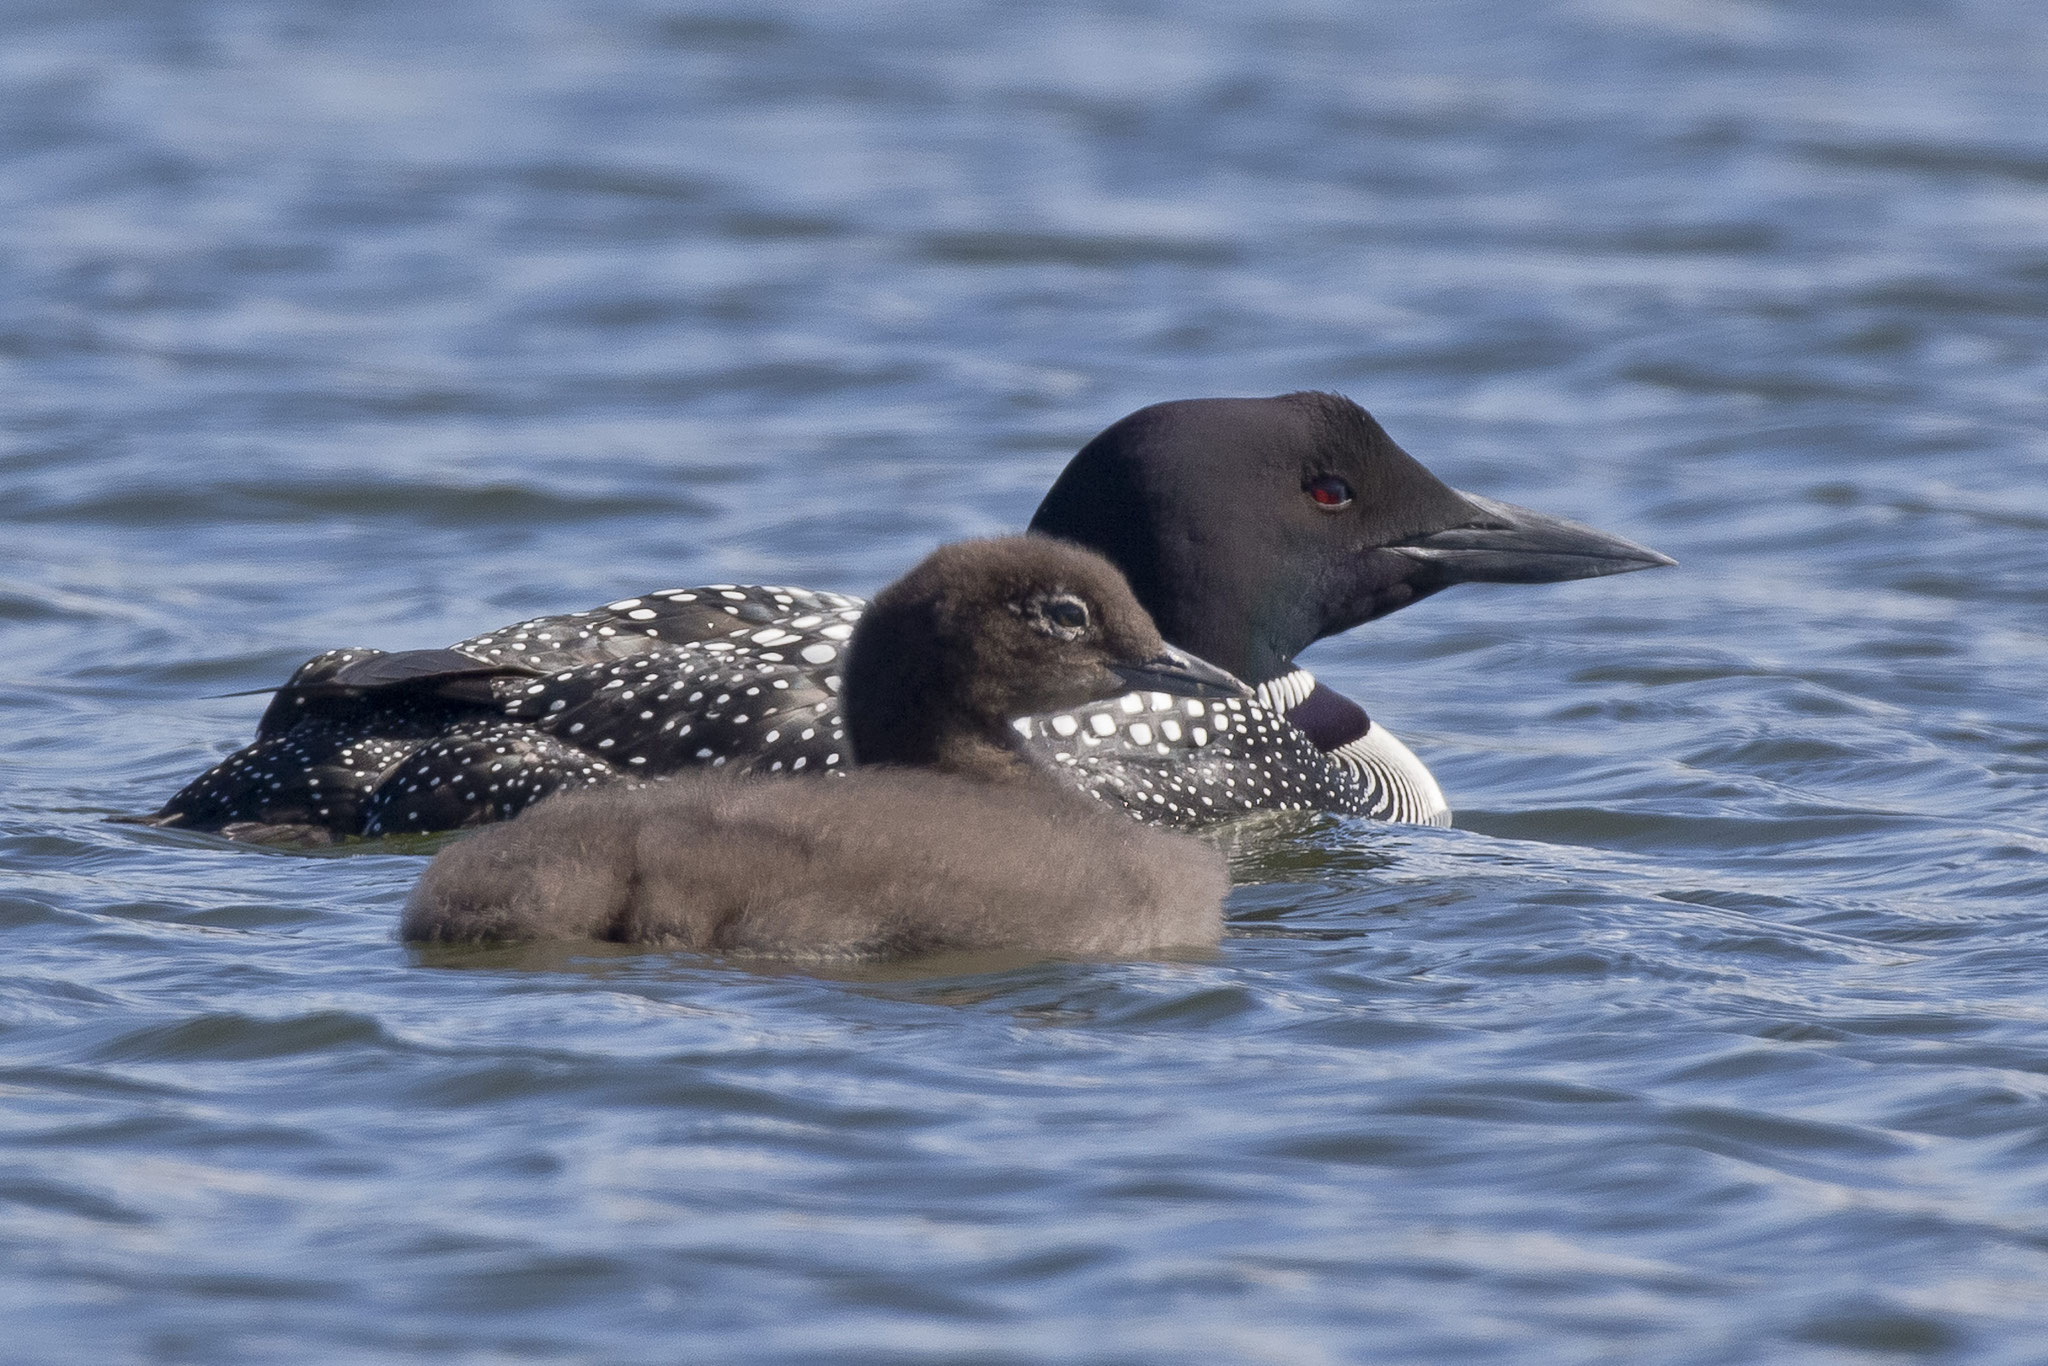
(1326, 716)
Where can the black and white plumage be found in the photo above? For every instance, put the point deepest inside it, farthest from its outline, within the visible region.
(1248, 528)
(364, 742)
(949, 838)
(1183, 762)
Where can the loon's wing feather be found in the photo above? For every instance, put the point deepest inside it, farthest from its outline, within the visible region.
(752, 619)
(671, 707)
(358, 682)
(413, 668)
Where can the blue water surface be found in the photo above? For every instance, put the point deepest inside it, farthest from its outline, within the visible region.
(1714, 1032)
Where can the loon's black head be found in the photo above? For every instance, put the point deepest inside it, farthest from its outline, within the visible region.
(1252, 527)
(982, 632)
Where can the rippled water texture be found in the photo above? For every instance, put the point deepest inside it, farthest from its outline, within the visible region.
(1713, 1033)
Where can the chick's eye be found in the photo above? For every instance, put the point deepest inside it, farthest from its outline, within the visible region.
(1329, 492)
(1068, 616)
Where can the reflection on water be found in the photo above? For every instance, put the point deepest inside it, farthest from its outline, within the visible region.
(1711, 1034)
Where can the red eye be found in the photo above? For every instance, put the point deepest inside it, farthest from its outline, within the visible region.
(1330, 493)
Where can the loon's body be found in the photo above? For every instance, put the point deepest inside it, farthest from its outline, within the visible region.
(1248, 528)
(949, 838)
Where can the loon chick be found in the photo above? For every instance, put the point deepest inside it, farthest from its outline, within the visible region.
(953, 841)
(1248, 528)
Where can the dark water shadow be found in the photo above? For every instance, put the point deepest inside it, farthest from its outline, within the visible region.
(617, 963)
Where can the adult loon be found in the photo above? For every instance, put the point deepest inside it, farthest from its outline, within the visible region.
(949, 837)
(1248, 528)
